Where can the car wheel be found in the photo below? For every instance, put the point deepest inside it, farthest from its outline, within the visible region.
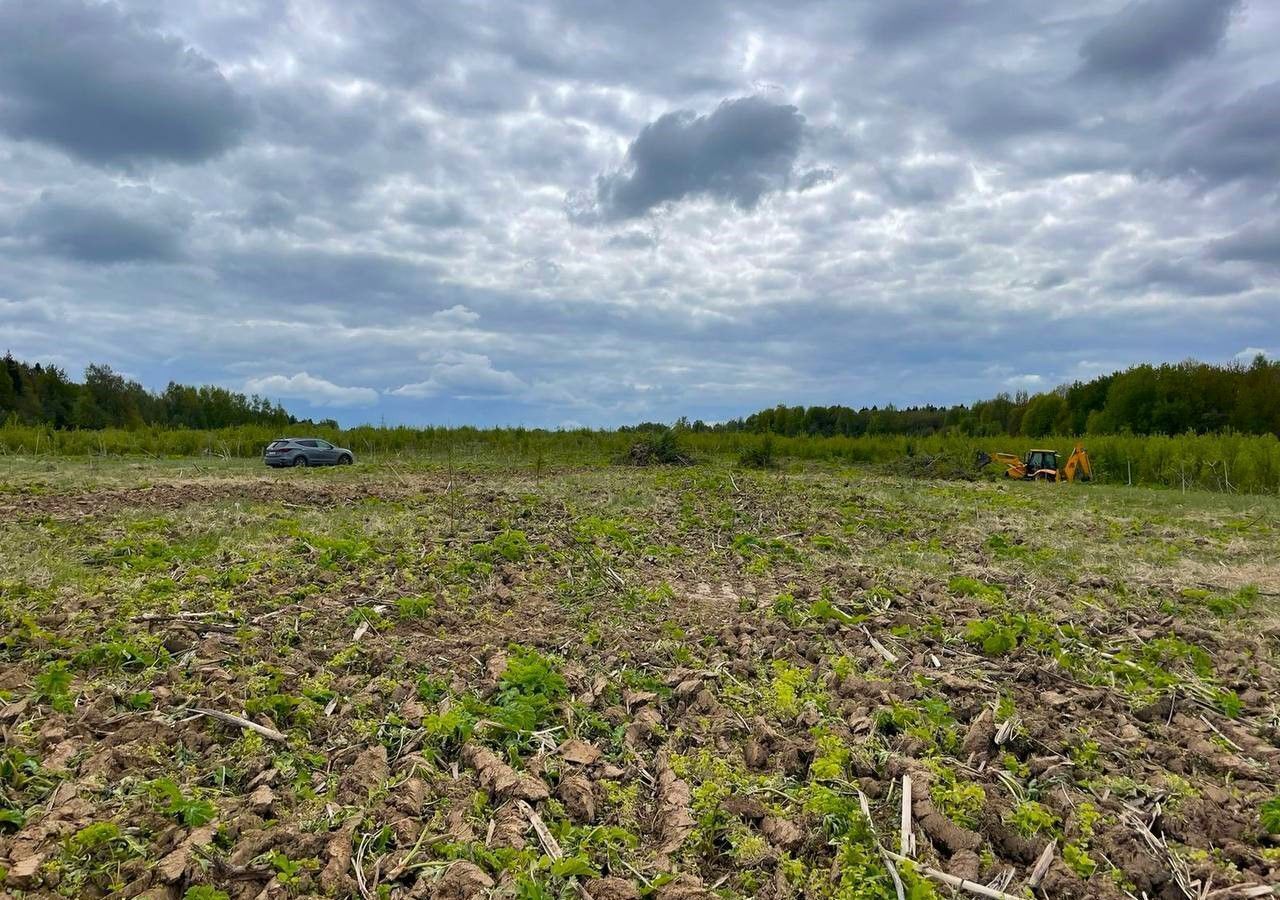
(345, 460)
(300, 460)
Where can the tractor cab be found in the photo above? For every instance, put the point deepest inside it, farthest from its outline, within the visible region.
(1041, 464)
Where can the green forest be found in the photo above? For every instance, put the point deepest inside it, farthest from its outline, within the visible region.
(1171, 399)
(32, 394)
(1179, 398)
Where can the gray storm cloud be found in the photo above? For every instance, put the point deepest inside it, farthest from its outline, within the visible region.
(1237, 140)
(1152, 37)
(98, 84)
(1183, 276)
(1259, 242)
(114, 227)
(743, 150)
(361, 207)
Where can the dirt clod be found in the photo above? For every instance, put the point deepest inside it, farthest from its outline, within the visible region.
(366, 774)
(964, 864)
(942, 830)
(674, 819)
(612, 889)
(782, 833)
(24, 872)
(334, 877)
(979, 740)
(175, 864)
(576, 793)
(261, 799)
(683, 887)
(500, 780)
(580, 753)
(462, 881)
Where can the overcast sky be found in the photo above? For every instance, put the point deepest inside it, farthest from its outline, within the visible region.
(566, 212)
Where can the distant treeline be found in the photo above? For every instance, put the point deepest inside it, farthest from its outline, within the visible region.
(1181, 398)
(1170, 399)
(33, 394)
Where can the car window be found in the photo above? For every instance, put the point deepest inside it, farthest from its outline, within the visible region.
(324, 445)
(307, 443)
(276, 444)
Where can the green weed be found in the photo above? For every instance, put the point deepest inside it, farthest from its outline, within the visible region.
(971, 587)
(53, 686)
(831, 758)
(1005, 634)
(512, 546)
(529, 691)
(1030, 818)
(929, 721)
(1269, 815)
(291, 871)
(190, 810)
(959, 800)
(204, 892)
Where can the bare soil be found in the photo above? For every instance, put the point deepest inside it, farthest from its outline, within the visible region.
(716, 669)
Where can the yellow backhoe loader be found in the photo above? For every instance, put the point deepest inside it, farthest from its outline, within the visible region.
(1042, 465)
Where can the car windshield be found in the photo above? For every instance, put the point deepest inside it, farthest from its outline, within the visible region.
(276, 444)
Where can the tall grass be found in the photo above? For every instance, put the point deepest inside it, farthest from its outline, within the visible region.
(1225, 462)
(463, 445)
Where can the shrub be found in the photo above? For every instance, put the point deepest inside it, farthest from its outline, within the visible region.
(659, 448)
(759, 456)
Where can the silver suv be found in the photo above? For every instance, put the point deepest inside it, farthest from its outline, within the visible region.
(305, 452)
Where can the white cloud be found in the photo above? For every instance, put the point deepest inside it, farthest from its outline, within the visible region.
(457, 315)
(1027, 382)
(316, 391)
(1248, 353)
(463, 375)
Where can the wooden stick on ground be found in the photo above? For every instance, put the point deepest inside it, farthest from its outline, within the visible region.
(884, 854)
(1042, 864)
(269, 733)
(889, 656)
(548, 841)
(907, 839)
(1243, 890)
(980, 890)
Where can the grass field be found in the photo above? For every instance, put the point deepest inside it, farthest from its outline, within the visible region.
(607, 682)
(1224, 463)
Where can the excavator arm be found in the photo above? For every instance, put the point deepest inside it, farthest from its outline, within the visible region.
(1078, 467)
(1013, 466)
